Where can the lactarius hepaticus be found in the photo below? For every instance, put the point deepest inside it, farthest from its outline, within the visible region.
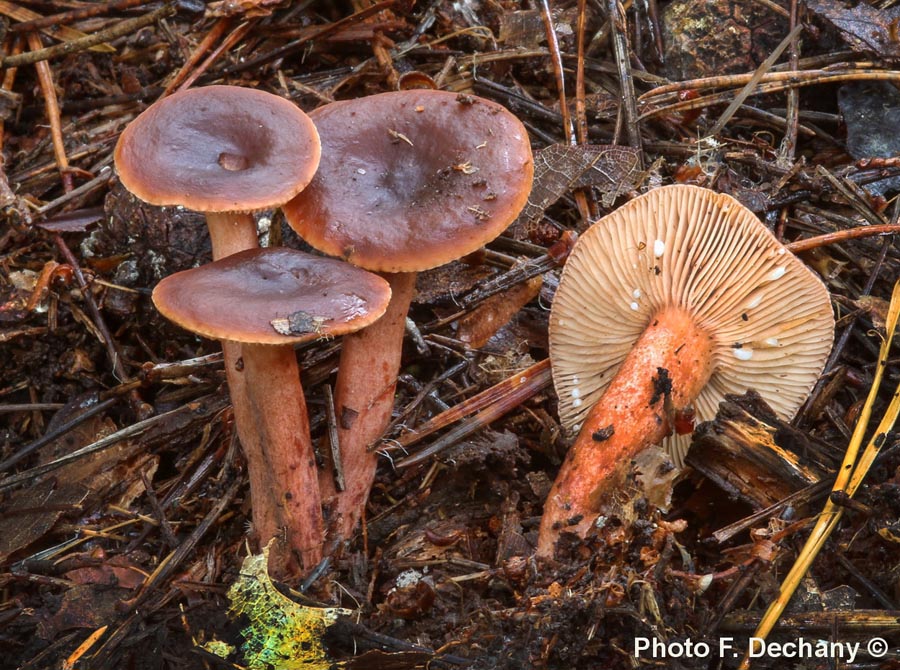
(408, 181)
(665, 305)
(269, 300)
(225, 151)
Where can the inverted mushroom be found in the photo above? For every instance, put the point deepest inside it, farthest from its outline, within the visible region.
(664, 306)
(408, 181)
(226, 151)
(269, 300)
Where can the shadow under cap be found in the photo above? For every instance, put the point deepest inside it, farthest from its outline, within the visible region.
(769, 316)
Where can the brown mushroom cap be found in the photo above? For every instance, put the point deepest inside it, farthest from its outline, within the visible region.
(218, 149)
(410, 180)
(769, 315)
(272, 296)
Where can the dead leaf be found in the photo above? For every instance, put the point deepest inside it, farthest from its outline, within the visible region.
(864, 28)
(31, 513)
(561, 167)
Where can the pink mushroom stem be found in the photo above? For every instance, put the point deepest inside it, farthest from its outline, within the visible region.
(663, 373)
(364, 399)
(278, 407)
(229, 233)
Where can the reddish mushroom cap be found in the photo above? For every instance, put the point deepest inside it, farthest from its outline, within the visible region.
(218, 149)
(272, 296)
(413, 179)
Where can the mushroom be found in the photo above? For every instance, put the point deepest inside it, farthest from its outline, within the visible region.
(664, 306)
(226, 151)
(409, 180)
(269, 300)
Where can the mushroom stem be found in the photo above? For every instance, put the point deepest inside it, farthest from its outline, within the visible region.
(280, 419)
(231, 232)
(364, 398)
(662, 374)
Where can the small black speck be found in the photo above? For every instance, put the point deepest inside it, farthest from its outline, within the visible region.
(603, 434)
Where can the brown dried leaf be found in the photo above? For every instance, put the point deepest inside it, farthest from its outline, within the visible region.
(31, 513)
(561, 167)
(863, 27)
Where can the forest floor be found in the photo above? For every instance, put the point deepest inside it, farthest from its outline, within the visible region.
(122, 555)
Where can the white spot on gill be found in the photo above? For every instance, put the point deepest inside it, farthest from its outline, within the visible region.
(577, 402)
(755, 302)
(575, 393)
(636, 293)
(743, 354)
(635, 306)
(778, 273)
(772, 341)
(659, 248)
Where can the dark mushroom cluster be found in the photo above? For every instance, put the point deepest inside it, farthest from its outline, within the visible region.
(394, 184)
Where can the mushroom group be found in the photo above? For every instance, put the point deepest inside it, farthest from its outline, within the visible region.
(226, 151)
(407, 181)
(675, 299)
(268, 301)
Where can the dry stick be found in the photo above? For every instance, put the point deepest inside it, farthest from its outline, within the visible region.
(9, 76)
(849, 476)
(39, 54)
(838, 349)
(333, 438)
(556, 61)
(584, 198)
(841, 236)
(581, 129)
(218, 29)
(141, 409)
(237, 35)
(64, 18)
(559, 74)
(52, 105)
(18, 13)
(669, 91)
(778, 84)
(856, 197)
(490, 405)
(131, 431)
(750, 85)
(626, 82)
(174, 559)
(788, 146)
(47, 438)
(298, 44)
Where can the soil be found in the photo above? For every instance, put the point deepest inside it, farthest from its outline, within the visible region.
(123, 557)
